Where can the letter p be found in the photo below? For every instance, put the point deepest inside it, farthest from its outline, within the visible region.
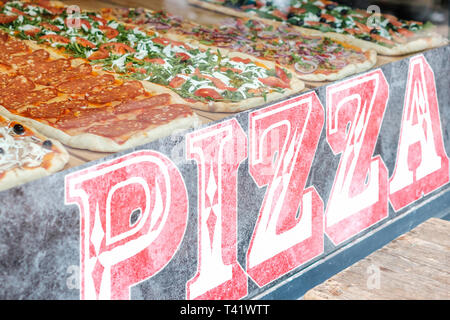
(133, 217)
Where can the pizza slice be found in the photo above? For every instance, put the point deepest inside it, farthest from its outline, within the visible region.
(311, 58)
(27, 155)
(81, 106)
(384, 33)
(205, 79)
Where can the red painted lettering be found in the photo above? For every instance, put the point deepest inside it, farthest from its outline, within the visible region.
(218, 151)
(422, 164)
(133, 218)
(358, 199)
(289, 230)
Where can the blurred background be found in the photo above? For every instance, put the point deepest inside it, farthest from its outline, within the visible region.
(435, 11)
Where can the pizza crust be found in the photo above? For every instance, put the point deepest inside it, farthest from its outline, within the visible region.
(149, 86)
(55, 3)
(227, 107)
(348, 70)
(220, 9)
(418, 44)
(333, 76)
(18, 176)
(98, 143)
(426, 42)
(296, 84)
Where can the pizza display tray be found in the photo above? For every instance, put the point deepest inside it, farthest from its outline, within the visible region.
(224, 212)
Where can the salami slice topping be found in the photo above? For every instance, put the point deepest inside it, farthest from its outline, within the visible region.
(157, 116)
(56, 78)
(10, 45)
(55, 109)
(5, 79)
(17, 84)
(17, 99)
(127, 90)
(158, 100)
(30, 59)
(84, 118)
(55, 66)
(85, 84)
(40, 69)
(117, 129)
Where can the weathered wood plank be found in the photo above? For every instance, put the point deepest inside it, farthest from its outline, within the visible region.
(437, 233)
(416, 265)
(74, 162)
(204, 118)
(86, 155)
(213, 116)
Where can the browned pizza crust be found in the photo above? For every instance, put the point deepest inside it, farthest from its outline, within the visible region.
(80, 138)
(226, 105)
(296, 84)
(330, 75)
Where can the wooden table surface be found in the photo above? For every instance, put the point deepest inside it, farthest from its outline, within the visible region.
(182, 9)
(414, 266)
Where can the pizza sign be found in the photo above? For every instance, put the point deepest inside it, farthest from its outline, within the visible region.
(135, 208)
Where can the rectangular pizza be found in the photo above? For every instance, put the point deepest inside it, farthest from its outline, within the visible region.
(311, 58)
(26, 155)
(205, 79)
(384, 33)
(80, 105)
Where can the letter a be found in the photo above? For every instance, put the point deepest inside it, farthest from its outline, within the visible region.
(422, 165)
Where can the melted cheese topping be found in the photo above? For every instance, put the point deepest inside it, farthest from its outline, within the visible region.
(19, 151)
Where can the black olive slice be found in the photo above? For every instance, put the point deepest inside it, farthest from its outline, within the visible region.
(19, 129)
(47, 144)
